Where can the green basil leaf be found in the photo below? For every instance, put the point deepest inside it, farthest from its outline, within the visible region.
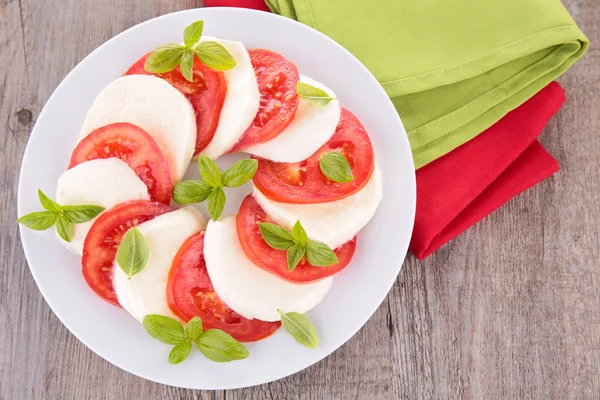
(294, 255)
(188, 192)
(218, 346)
(81, 214)
(165, 58)
(180, 352)
(192, 33)
(335, 166)
(193, 329)
(63, 228)
(187, 65)
(299, 234)
(47, 202)
(38, 221)
(215, 56)
(163, 328)
(277, 237)
(319, 254)
(313, 95)
(216, 203)
(240, 172)
(300, 328)
(133, 252)
(210, 173)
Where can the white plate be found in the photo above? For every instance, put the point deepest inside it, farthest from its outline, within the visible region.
(357, 291)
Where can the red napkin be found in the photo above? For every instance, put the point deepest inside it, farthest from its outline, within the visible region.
(462, 187)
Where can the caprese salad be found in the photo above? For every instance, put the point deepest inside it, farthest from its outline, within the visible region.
(239, 277)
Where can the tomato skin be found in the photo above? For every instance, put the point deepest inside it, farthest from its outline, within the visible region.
(136, 147)
(277, 79)
(304, 183)
(103, 239)
(190, 293)
(275, 261)
(206, 93)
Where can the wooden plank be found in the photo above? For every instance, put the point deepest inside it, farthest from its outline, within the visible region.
(510, 309)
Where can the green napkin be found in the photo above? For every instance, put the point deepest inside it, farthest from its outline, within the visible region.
(451, 67)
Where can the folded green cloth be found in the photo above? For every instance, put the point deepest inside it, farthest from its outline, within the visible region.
(451, 67)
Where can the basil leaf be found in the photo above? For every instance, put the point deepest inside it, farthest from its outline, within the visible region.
(180, 352)
(187, 65)
(81, 214)
(165, 58)
(218, 346)
(192, 33)
(240, 172)
(319, 254)
(210, 173)
(298, 233)
(294, 255)
(163, 328)
(215, 56)
(275, 236)
(63, 227)
(38, 221)
(335, 166)
(193, 329)
(48, 203)
(313, 95)
(216, 202)
(187, 192)
(133, 252)
(300, 328)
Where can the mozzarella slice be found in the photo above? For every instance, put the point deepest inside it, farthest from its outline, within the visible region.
(241, 101)
(312, 126)
(155, 106)
(333, 223)
(248, 290)
(146, 292)
(102, 182)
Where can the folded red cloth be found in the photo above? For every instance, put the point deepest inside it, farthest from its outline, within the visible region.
(462, 187)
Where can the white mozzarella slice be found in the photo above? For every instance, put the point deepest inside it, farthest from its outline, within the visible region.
(102, 182)
(241, 101)
(146, 292)
(312, 126)
(333, 223)
(247, 289)
(155, 106)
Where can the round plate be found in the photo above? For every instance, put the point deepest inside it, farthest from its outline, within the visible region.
(382, 245)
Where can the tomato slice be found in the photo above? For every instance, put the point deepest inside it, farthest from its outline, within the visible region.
(206, 93)
(136, 147)
(275, 261)
(103, 239)
(304, 183)
(277, 78)
(190, 293)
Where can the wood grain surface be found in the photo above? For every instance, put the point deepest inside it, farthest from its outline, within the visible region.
(509, 310)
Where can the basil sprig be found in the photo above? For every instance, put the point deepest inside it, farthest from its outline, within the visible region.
(300, 328)
(297, 245)
(133, 252)
(167, 57)
(61, 217)
(215, 344)
(335, 167)
(213, 181)
(313, 95)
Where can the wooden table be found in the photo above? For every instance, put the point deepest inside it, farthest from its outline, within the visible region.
(510, 309)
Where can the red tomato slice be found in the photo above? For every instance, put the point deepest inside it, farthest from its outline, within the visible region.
(190, 293)
(103, 239)
(277, 78)
(275, 261)
(304, 182)
(206, 93)
(134, 146)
